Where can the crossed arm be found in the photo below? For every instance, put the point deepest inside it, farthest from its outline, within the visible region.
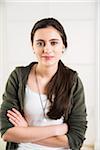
(52, 136)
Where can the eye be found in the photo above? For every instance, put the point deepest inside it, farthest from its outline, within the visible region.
(53, 43)
(40, 44)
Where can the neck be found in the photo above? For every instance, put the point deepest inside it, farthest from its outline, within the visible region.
(46, 71)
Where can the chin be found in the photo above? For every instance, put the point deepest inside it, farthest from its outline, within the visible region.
(49, 64)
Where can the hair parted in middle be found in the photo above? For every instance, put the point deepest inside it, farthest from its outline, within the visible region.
(47, 22)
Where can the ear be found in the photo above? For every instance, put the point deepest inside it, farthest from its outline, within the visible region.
(33, 49)
(63, 48)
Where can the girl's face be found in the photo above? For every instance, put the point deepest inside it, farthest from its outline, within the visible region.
(48, 46)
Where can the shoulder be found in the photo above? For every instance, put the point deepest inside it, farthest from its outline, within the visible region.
(78, 93)
(73, 74)
(77, 84)
(20, 72)
(24, 68)
(72, 71)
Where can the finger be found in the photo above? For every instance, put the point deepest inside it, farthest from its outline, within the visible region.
(13, 117)
(13, 122)
(13, 114)
(16, 118)
(17, 112)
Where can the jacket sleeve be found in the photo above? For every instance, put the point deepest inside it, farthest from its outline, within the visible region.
(77, 122)
(10, 100)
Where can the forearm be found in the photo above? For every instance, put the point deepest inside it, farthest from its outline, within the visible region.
(34, 133)
(28, 134)
(21, 132)
(55, 141)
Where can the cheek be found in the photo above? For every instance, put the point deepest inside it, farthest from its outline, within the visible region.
(58, 54)
(38, 54)
(37, 51)
(59, 50)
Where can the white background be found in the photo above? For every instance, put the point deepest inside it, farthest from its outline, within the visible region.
(80, 20)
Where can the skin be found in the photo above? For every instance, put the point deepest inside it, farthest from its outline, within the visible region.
(48, 47)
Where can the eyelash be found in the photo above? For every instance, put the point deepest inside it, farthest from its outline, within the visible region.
(40, 44)
(54, 43)
(43, 44)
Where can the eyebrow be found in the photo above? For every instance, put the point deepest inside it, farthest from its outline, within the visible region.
(50, 40)
(40, 40)
(54, 40)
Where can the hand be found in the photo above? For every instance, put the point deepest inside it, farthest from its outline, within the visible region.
(16, 118)
(61, 129)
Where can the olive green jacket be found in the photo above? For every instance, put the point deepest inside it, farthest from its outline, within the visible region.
(14, 97)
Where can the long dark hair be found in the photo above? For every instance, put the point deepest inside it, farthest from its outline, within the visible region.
(59, 90)
(59, 87)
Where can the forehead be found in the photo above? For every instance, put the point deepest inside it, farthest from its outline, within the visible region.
(48, 33)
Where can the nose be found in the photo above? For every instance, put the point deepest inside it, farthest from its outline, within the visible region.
(47, 48)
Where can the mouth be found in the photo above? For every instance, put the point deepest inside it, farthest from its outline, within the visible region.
(48, 57)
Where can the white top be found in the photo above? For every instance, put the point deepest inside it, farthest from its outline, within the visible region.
(34, 116)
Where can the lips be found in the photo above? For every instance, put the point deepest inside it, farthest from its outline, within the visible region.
(48, 57)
